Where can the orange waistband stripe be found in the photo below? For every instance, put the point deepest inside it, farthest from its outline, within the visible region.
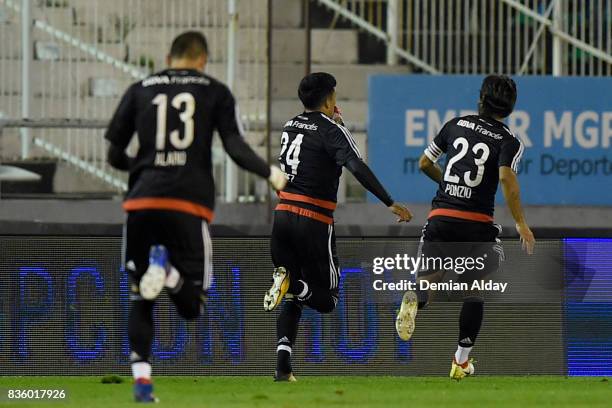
(328, 205)
(171, 204)
(464, 215)
(306, 213)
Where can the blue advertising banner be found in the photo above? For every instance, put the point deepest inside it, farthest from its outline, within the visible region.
(64, 305)
(588, 306)
(565, 124)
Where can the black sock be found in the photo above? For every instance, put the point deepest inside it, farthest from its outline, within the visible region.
(140, 330)
(470, 320)
(287, 325)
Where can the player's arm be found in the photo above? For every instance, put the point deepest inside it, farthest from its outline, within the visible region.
(230, 130)
(341, 145)
(430, 168)
(509, 159)
(117, 158)
(120, 132)
(428, 161)
(512, 194)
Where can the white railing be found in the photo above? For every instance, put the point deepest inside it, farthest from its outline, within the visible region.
(370, 20)
(89, 157)
(558, 37)
(86, 53)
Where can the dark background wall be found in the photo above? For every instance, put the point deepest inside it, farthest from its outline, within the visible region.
(63, 305)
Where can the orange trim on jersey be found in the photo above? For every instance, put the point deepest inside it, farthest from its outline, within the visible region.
(464, 215)
(172, 204)
(328, 205)
(304, 212)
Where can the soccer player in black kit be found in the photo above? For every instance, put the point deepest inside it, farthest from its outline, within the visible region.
(171, 193)
(481, 152)
(314, 147)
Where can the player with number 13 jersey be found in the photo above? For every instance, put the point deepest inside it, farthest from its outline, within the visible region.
(171, 196)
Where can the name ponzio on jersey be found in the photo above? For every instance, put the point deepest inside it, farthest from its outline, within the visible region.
(458, 191)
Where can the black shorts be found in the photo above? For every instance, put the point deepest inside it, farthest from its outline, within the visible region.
(444, 238)
(185, 236)
(306, 248)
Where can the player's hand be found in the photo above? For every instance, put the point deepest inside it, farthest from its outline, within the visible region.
(277, 178)
(338, 116)
(401, 211)
(527, 238)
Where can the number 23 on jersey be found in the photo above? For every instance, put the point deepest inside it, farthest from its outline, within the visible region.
(480, 154)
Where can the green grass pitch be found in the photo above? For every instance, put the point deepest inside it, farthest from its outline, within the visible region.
(188, 392)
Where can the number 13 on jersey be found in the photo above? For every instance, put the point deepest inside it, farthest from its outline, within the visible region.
(185, 104)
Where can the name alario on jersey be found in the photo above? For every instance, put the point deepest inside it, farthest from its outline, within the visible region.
(171, 158)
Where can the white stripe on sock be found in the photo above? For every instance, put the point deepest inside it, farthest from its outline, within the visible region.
(283, 347)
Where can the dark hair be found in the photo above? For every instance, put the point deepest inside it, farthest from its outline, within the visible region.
(497, 96)
(315, 88)
(190, 44)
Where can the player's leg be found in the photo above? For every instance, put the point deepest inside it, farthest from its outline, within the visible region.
(284, 248)
(137, 240)
(320, 267)
(140, 333)
(472, 310)
(287, 326)
(160, 272)
(285, 261)
(470, 321)
(315, 260)
(413, 301)
(308, 248)
(190, 247)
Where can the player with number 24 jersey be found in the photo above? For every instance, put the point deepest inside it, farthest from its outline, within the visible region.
(315, 146)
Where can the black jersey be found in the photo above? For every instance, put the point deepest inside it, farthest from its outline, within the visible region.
(475, 148)
(313, 150)
(174, 113)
